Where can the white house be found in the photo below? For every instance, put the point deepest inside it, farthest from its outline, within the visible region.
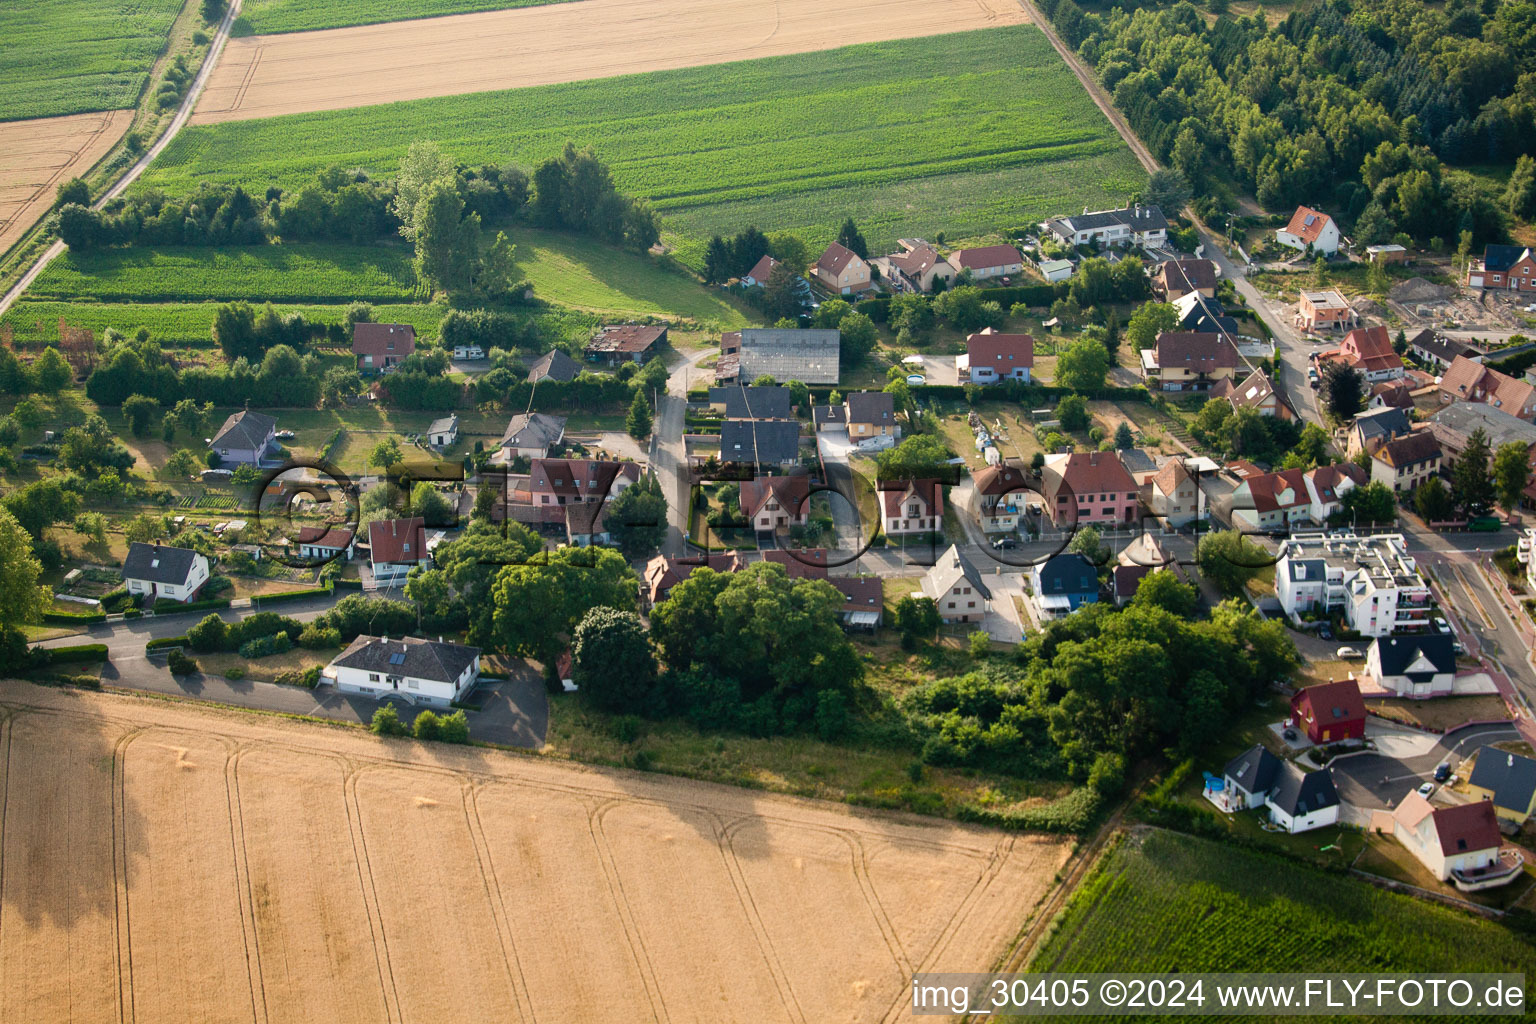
(1310, 227)
(1372, 580)
(1302, 801)
(1055, 270)
(1135, 225)
(956, 587)
(1448, 841)
(442, 433)
(396, 546)
(1413, 666)
(160, 571)
(420, 671)
(325, 543)
(1247, 780)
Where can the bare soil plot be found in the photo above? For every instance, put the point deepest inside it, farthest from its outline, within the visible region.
(190, 863)
(265, 76)
(35, 156)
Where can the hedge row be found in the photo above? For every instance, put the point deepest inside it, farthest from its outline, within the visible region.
(79, 652)
(177, 606)
(160, 643)
(291, 595)
(1032, 395)
(73, 618)
(1074, 812)
(347, 585)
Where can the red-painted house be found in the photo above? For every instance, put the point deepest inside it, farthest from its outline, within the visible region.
(1330, 712)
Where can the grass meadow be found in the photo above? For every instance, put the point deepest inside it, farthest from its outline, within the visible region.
(1164, 901)
(264, 17)
(177, 324)
(963, 133)
(72, 56)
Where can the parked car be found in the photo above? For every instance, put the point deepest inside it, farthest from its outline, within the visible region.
(1486, 524)
(1427, 790)
(1324, 632)
(1348, 652)
(1034, 508)
(916, 378)
(1459, 647)
(285, 435)
(1442, 771)
(1005, 542)
(1442, 625)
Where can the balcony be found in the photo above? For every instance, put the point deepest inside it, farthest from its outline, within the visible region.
(1506, 869)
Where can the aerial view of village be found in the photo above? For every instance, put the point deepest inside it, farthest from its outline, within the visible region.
(704, 510)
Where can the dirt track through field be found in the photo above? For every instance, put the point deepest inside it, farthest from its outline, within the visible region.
(161, 861)
(264, 76)
(35, 156)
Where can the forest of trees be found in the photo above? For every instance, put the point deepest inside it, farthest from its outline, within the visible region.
(1352, 104)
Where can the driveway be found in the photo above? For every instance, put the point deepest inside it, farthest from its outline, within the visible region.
(1381, 778)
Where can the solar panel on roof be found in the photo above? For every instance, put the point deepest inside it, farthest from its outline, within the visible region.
(397, 659)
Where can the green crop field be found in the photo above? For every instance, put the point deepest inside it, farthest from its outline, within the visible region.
(962, 133)
(73, 56)
(271, 273)
(583, 274)
(1164, 902)
(263, 17)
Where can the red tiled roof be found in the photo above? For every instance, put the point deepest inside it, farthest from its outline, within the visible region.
(397, 540)
(325, 536)
(1307, 232)
(1410, 449)
(928, 491)
(835, 259)
(1370, 348)
(1171, 476)
(1467, 827)
(1474, 382)
(1093, 473)
(1002, 352)
(577, 478)
(1187, 276)
(801, 564)
(762, 268)
(999, 479)
(662, 573)
(1268, 488)
(383, 339)
(988, 256)
(791, 492)
(915, 263)
(860, 593)
(1394, 394)
(1199, 352)
(1333, 703)
(1326, 479)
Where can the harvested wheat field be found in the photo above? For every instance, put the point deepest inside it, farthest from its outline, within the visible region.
(168, 862)
(264, 76)
(35, 156)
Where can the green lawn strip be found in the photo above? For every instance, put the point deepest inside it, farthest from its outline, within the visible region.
(265, 17)
(962, 133)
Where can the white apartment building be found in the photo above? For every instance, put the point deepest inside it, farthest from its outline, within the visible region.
(1371, 579)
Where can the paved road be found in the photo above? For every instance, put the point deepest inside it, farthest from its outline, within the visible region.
(514, 713)
(669, 453)
(1379, 780)
(215, 49)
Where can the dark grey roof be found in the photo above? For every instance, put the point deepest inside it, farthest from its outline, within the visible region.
(1511, 777)
(1145, 218)
(409, 656)
(1254, 769)
(830, 414)
(1069, 573)
(871, 407)
(245, 430)
(1502, 257)
(1398, 652)
(1298, 793)
(158, 563)
(554, 365)
(766, 442)
(443, 425)
(1136, 460)
(748, 403)
(1441, 347)
(1383, 422)
(1457, 421)
(535, 430)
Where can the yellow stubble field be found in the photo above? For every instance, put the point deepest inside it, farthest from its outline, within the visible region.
(170, 862)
